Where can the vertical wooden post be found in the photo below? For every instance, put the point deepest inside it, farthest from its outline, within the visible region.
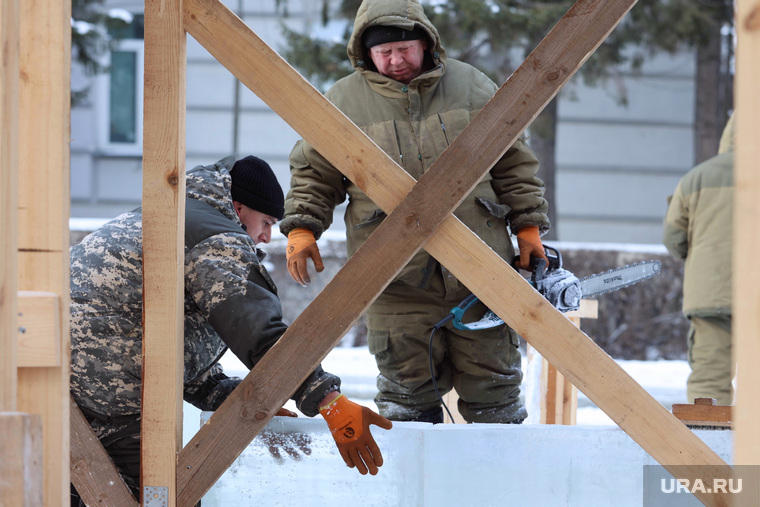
(20, 434)
(43, 233)
(163, 244)
(746, 281)
(9, 66)
(21, 463)
(557, 397)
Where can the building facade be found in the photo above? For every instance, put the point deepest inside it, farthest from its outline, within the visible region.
(616, 164)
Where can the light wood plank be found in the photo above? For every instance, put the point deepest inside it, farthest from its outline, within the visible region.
(21, 463)
(39, 329)
(704, 410)
(43, 235)
(553, 394)
(451, 399)
(202, 21)
(9, 67)
(746, 233)
(163, 243)
(588, 309)
(92, 471)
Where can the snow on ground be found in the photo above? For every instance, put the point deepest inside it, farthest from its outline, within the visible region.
(664, 380)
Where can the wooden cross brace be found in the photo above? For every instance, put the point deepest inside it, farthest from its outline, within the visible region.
(419, 215)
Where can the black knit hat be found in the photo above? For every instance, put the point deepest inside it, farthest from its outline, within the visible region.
(255, 185)
(380, 34)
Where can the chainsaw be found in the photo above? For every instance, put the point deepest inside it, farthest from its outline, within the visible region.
(562, 288)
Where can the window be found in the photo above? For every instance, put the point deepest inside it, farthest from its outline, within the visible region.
(120, 97)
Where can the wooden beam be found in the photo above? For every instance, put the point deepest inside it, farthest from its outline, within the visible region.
(93, 473)
(746, 296)
(9, 66)
(251, 405)
(704, 412)
(163, 214)
(43, 213)
(21, 463)
(39, 329)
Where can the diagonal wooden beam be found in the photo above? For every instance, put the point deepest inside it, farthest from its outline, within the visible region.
(93, 473)
(425, 207)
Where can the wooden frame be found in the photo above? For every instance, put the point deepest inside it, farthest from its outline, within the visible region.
(163, 213)
(419, 213)
(43, 242)
(9, 68)
(746, 234)
(20, 433)
(43, 213)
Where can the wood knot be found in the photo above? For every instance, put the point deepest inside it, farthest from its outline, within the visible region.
(173, 180)
(753, 19)
(261, 415)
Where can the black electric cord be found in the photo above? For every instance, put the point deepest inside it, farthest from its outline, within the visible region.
(436, 327)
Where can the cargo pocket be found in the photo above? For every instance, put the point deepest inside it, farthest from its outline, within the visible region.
(493, 207)
(514, 338)
(378, 342)
(373, 219)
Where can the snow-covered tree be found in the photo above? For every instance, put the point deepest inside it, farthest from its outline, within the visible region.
(94, 33)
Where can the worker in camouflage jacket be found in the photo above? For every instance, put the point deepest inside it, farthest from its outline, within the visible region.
(413, 102)
(698, 230)
(230, 302)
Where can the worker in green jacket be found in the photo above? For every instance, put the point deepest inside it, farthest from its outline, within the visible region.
(698, 227)
(413, 102)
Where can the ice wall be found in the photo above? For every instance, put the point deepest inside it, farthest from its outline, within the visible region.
(295, 462)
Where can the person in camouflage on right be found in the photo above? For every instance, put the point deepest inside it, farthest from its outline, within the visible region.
(230, 302)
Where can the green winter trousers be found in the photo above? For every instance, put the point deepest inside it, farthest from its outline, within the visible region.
(482, 366)
(709, 341)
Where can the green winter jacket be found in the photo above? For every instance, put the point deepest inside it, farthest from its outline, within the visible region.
(413, 124)
(698, 230)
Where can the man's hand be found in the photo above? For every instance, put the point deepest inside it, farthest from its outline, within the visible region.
(301, 247)
(529, 243)
(349, 425)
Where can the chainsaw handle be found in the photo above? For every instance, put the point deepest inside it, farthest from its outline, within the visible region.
(459, 310)
(555, 260)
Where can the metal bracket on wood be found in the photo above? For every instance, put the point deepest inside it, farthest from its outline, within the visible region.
(155, 496)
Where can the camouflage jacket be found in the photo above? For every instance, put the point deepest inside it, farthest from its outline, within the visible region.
(230, 301)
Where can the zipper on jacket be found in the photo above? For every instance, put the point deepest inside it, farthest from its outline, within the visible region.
(443, 128)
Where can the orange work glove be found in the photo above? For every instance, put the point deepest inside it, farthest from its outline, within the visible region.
(301, 247)
(529, 243)
(349, 425)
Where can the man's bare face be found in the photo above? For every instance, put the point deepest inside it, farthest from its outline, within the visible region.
(401, 60)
